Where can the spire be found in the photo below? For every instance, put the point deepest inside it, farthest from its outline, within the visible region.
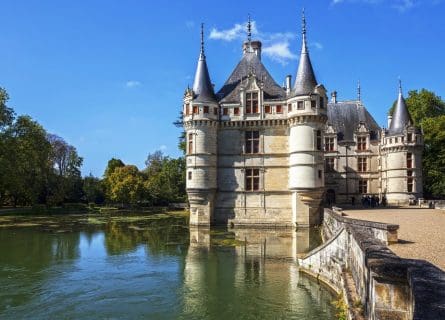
(400, 117)
(305, 81)
(202, 86)
(249, 29)
(359, 92)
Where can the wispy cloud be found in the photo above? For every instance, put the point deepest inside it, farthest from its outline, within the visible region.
(279, 52)
(276, 45)
(133, 84)
(316, 45)
(400, 5)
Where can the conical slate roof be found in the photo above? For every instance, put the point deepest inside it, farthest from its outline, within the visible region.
(202, 86)
(400, 117)
(305, 81)
(250, 63)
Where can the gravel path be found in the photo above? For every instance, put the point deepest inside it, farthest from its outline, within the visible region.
(421, 233)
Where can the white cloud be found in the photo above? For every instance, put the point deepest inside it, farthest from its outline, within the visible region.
(276, 45)
(316, 45)
(400, 5)
(133, 84)
(280, 52)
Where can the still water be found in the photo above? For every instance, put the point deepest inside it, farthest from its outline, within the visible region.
(155, 267)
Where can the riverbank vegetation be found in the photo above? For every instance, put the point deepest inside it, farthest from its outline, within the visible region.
(42, 172)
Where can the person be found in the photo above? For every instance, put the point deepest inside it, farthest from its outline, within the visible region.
(384, 200)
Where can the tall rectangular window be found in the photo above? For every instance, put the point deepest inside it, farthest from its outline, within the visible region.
(187, 109)
(190, 175)
(361, 143)
(190, 148)
(329, 144)
(236, 111)
(195, 110)
(252, 179)
(300, 105)
(252, 102)
(225, 111)
(363, 186)
(215, 111)
(410, 181)
(329, 164)
(206, 109)
(410, 137)
(313, 104)
(289, 107)
(409, 160)
(321, 102)
(252, 139)
(267, 109)
(278, 109)
(362, 164)
(318, 140)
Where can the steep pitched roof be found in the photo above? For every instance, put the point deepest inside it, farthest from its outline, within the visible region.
(202, 86)
(345, 117)
(250, 63)
(305, 81)
(400, 117)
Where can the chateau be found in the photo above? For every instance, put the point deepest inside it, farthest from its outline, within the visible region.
(262, 154)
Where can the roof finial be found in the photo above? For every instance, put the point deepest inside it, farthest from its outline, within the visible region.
(400, 85)
(202, 40)
(303, 32)
(359, 91)
(249, 29)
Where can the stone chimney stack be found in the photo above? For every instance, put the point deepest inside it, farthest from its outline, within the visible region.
(334, 97)
(253, 46)
(288, 83)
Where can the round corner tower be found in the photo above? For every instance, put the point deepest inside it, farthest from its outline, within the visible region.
(306, 157)
(402, 147)
(200, 120)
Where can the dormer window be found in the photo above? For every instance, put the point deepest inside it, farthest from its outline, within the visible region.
(361, 143)
(329, 143)
(252, 102)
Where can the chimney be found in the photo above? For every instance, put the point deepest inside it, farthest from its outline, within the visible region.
(255, 47)
(389, 120)
(334, 97)
(288, 83)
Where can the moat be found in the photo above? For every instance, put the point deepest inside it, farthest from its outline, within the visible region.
(153, 267)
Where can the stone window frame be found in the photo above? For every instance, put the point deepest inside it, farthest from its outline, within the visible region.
(330, 143)
(363, 186)
(190, 143)
(252, 105)
(300, 105)
(252, 141)
(252, 177)
(330, 164)
(362, 164)
(409, 160)
(362, 146)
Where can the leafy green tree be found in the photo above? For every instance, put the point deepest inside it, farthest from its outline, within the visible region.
(112, 165)
(93, 189)
(126, 185)
(182, 138)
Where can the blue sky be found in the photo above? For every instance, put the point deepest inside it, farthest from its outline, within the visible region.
(109, 76)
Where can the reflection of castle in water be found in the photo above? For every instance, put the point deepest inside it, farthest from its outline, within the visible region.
(223, 281)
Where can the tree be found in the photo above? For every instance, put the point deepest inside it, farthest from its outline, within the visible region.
(112, 165)
(6, 113)
(182, 137)
(126, 185)
(93, 189)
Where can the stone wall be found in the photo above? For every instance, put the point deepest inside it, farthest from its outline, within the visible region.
(387, 286)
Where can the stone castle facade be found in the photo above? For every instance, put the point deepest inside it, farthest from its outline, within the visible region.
(262, 154)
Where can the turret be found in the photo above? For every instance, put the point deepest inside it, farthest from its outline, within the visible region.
(306, 160)
(402, 146)
(200, 120)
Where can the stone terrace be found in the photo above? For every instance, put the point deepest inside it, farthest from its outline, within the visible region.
(421, 233)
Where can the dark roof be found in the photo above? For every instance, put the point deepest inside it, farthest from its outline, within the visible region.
(250, 63)
(400, 117)
(305, 81)
(202, 86)
(345, 117)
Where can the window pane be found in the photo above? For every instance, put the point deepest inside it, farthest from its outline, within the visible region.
(256, 146)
